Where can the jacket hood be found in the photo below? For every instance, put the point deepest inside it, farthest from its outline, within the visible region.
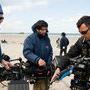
(34, 28)
(38, 24)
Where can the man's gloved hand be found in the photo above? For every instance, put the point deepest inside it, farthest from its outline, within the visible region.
(6, 64)
(5, 57)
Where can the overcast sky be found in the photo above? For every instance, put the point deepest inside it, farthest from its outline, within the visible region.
(61, 15)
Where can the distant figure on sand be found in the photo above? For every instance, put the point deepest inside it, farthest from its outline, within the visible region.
(4, 41)
(63, 43)
(58, 42)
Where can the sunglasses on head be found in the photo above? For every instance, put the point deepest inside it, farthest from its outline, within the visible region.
(85, 32)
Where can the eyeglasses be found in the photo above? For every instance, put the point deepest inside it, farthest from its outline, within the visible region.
(85, 32)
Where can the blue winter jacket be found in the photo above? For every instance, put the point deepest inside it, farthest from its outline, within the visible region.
(1, 13)
(0, 54)
(36, 48)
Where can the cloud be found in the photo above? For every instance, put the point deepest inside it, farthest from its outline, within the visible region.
(21, 14)
(22, 5)
(41, 3)
(19, 5)
(58, 25)
(14, 25)
(11, 8)
(71, 18)
(14, 9)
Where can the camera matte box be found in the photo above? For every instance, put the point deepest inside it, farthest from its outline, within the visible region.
(18, 85)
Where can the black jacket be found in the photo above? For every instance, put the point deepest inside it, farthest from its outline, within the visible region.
(80, 48)
(64, 42)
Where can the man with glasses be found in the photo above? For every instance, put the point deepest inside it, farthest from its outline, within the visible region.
(6, 64)
(38, 50)
(80, 48)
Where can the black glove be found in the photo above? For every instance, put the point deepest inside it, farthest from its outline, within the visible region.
(5, 57)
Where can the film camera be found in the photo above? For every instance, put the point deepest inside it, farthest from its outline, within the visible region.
(81, 72)
(24, 70)
(23, 73)
(80, 67)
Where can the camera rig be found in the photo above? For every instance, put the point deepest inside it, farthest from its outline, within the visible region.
(23, 70)
(80, 67)
(81, 71)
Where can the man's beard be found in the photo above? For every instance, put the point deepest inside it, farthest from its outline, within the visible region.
(42, 36)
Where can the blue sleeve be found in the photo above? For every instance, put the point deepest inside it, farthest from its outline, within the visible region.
(50, 55)
(28, 50)
(0, 54)
(1, 11)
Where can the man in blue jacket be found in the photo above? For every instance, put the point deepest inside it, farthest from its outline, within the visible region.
(37, 48)
(6, 64)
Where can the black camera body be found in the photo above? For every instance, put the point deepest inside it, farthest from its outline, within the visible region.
(34, 72)
(15, 73)
(81, 74)
(26, 70)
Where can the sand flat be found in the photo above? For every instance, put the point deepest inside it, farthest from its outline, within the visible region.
(14, 47)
